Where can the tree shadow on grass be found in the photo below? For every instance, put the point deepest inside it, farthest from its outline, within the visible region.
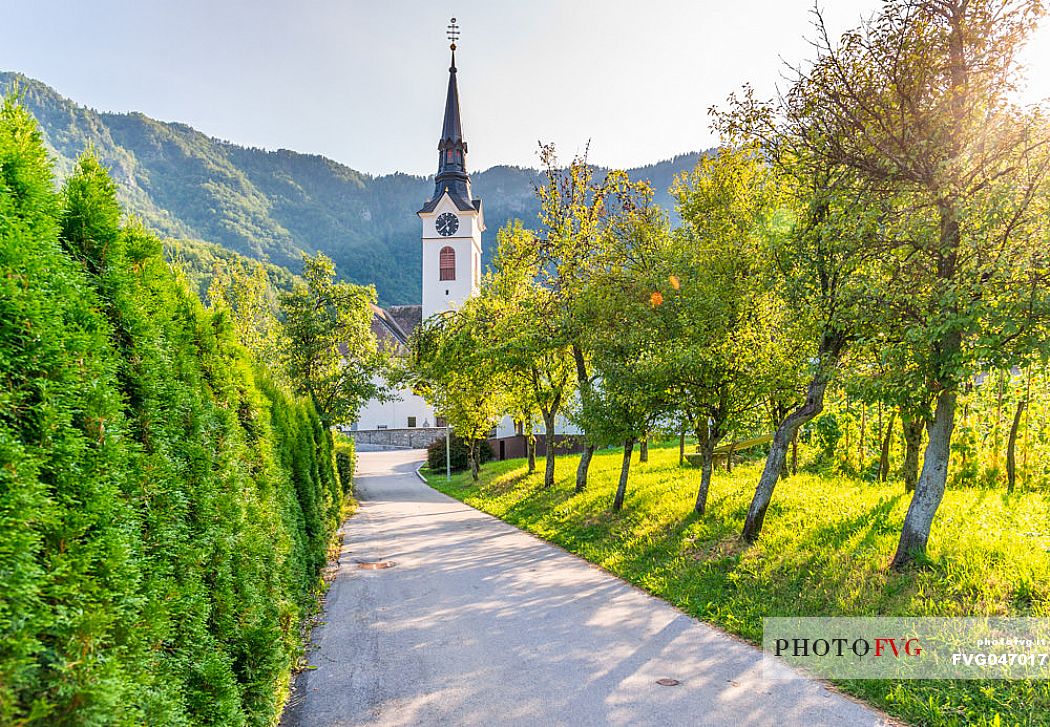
(699, 562)
(845, 566)
(510, 481)
(707, 571)
(843, 534)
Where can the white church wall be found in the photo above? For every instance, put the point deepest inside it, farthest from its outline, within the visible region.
(396, 414)
(440, 295)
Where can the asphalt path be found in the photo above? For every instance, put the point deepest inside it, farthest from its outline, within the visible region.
(478, 623)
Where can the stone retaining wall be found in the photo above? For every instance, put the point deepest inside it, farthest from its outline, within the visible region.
(409, 438)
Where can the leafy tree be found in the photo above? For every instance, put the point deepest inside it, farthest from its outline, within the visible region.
(822, 264)
(522, 405)
(630, 393)
(580, 218)
(333, 356)
(457, 377)
(626, 401)
(521, 320)
(725, 341)
(916, 105)
(245, 289)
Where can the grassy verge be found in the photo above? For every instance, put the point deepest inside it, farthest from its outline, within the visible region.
(824, 551)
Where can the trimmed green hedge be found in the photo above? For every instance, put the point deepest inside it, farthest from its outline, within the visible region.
(165, 507)
(345, 463)
(458, 454)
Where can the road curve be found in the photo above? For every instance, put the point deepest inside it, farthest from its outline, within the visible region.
(479, 623)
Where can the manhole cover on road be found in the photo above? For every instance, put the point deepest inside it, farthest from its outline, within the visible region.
(375, 565)
(668, 682)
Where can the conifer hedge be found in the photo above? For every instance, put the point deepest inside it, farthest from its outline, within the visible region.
(165, 505)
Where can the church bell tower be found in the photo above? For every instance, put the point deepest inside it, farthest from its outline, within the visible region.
(452, 220)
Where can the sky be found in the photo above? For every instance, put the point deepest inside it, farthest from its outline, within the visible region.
(363, 82)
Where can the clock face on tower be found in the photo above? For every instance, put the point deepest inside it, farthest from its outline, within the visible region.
(447, 224)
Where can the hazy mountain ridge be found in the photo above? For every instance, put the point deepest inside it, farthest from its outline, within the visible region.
(273, 204)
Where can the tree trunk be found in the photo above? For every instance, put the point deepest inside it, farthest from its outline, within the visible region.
(472, 455)
(1024, 444)
(1011, 447)
(930, 488)
(812, 406)
(585, 462)
(784, 474)
(681, 448)
(861, 449)
(912, 427)
(847, 447)
(884, 454)
(1000, 394)
(530, 450)
(729, 457)
(643, 449)
(585, 390)
(794, 454)
(548, 471)
(625, 468)
(706, 465)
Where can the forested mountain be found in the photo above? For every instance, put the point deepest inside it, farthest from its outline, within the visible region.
(273, 204)
(199, 260)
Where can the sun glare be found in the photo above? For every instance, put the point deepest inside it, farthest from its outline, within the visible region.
(1035, 58)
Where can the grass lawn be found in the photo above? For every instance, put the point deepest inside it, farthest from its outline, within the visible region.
(824, 550)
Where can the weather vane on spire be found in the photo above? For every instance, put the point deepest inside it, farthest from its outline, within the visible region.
(453, 33)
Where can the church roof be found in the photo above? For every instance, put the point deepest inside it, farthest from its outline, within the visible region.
(452, 128)
(452, 177)
(408, 317)
(386, 329)
(462, 204)
(396, 324)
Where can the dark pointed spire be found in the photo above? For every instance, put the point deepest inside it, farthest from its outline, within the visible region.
(452, 129)
(452, 149)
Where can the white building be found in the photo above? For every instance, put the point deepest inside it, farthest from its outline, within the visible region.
(452, 223)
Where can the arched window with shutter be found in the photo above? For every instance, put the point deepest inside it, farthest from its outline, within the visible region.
(447, 263)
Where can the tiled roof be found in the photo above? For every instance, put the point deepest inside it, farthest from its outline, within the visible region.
(408, 317)
(386, 328)
(396, 324)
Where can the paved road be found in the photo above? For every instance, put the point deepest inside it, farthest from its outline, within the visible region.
(481, 624)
